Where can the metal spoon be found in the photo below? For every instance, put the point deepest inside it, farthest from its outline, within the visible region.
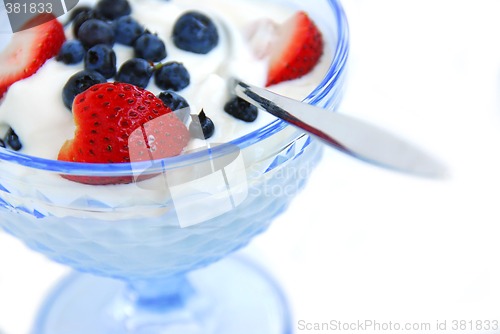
(345, 133)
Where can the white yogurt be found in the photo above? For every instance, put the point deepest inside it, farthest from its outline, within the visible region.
(33, 107)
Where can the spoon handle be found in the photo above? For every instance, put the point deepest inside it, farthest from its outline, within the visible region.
(347, 134)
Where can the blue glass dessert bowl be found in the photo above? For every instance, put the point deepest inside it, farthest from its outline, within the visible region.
(146, 254)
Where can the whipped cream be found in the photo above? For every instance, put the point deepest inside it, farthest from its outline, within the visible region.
(33, 107)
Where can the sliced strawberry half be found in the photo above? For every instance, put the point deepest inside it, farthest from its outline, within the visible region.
(297, 51)
(121, 123)
(29, 49)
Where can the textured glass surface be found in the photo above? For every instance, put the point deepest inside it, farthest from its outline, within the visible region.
(156, 246)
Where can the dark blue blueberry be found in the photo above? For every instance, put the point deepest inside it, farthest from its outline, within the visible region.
(241, 109)
(78, 83)
(83, 16)
(150, 47)
(173, 100)
(113, 9)
(195, 32)
(71, 52)
(12, 139)
(76, 11)
(94, 31)
(101, 58)
(127, 30)
(201, 126)
(2, 143)
(172, 75)
(135, 71)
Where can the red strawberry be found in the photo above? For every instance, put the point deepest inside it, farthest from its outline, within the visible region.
(29, 49)
(119, 122)
(300, 46)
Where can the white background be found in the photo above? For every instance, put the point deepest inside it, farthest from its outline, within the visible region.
(361, 243)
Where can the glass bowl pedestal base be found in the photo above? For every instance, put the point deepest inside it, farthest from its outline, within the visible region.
(231, 296)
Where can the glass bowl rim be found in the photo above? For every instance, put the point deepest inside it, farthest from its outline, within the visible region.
(333, 75)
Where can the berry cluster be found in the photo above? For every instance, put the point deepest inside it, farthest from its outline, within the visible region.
(98, 29)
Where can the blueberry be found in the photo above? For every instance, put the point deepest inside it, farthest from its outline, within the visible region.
(135, 71)
(81, 17)
(71, 52)
(150, 47)
(203, 122)
(172, 75)
(127, 30)
(94, 31)
(76, 11)
(78, 83)
(12, 139)
(101, 58)
(2, 143)
(195, 32)
(241, 109)
(173, 100)
(113, 9)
